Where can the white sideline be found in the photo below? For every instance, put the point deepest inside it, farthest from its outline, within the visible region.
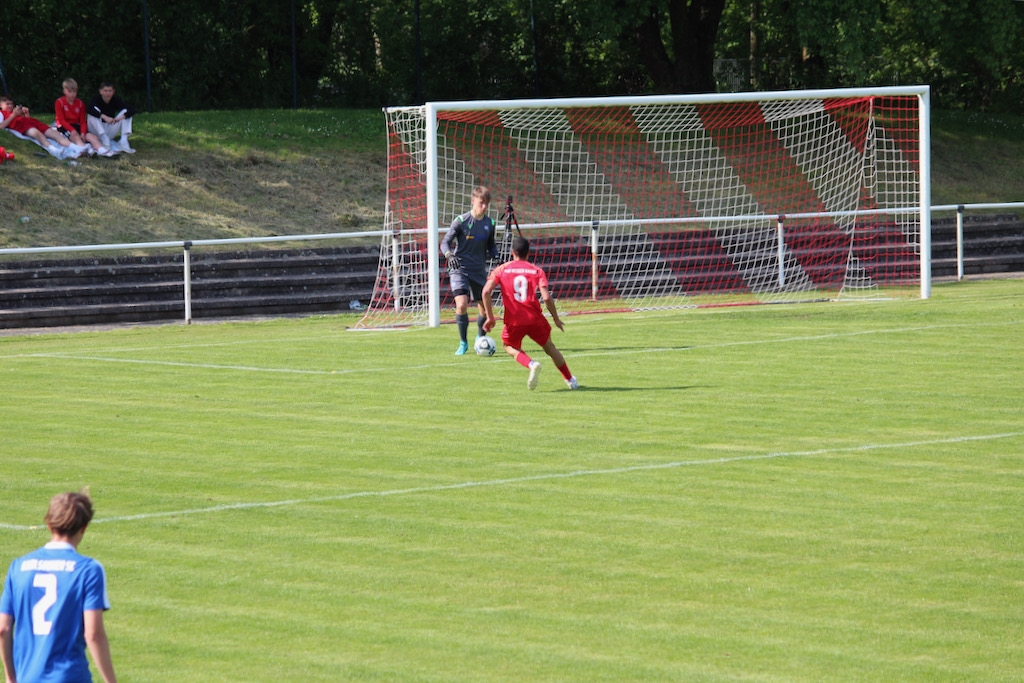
(239, 368)
(535, 477)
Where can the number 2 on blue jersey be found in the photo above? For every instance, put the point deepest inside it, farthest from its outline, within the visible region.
(48, 582)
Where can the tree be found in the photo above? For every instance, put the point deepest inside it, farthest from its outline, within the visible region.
(663, 46)
(239, 53)
(676, 43)
(968, 50)
(804, 43)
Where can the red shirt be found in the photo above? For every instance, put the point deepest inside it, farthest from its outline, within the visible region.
(519, 282)
(70, 116)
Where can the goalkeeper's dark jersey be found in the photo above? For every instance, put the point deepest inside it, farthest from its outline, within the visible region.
(473, 242)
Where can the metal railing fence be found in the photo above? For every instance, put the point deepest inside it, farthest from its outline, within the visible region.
(186, 245)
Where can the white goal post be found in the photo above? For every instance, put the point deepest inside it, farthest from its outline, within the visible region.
(633, 203)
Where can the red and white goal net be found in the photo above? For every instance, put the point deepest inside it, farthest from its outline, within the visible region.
(658, 202)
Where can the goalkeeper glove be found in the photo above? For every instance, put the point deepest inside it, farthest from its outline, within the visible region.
(453, 261)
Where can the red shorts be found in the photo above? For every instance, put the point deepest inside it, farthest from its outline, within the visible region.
(539, 332)
(23, 124)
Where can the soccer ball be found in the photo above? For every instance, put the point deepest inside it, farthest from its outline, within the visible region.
(485, 346)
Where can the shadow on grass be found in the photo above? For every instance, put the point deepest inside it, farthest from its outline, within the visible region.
(592, 388)
(620, 349)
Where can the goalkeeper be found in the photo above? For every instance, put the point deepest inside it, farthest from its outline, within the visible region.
(467, 246)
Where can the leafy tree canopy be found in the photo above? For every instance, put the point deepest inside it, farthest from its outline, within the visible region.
(191, 54)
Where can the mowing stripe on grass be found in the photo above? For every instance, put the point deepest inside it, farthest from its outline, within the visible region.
(201, 366)
(804, 338)
(535, 477)
(238, 368)
(587, 354)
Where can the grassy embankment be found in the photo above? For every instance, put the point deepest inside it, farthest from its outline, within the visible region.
(205, 175)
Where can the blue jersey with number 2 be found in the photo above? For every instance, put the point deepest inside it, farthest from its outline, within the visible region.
(47, 592)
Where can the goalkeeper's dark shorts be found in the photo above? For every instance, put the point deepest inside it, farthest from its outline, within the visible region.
(462, 285)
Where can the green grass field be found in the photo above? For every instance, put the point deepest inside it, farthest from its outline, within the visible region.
(818, 492)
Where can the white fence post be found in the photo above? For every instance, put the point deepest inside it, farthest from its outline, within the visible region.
(781, 247)
(959, 242)
(188, 282)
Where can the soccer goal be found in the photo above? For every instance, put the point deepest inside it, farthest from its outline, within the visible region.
(667, 201)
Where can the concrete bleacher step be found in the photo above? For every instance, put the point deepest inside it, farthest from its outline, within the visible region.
(91, 314)
(993, 245)
(151, 288)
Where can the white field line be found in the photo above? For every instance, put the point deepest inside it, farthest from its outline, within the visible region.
(426, 366)
(532, 478)
(238, 368)
(198, 366)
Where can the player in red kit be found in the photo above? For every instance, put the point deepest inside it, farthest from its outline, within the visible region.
(520, 281)
(69, 112)
(17, 119)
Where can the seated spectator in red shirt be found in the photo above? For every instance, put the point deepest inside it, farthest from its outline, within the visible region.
(17, 119)
(69, 112)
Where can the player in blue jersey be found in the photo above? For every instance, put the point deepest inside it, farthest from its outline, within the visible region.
(53, 603)
(467, 246)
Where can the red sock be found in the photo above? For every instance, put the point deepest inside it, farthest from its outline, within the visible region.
(523, 359)
(565, 372)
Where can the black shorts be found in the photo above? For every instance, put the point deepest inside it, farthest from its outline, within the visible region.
(463, 286)
(67, 133)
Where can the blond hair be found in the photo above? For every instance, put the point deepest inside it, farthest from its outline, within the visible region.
(70, 84)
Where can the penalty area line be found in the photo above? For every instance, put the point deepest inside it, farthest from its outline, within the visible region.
(552, 476)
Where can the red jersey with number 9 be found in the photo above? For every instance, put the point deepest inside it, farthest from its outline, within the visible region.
(519, 282)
